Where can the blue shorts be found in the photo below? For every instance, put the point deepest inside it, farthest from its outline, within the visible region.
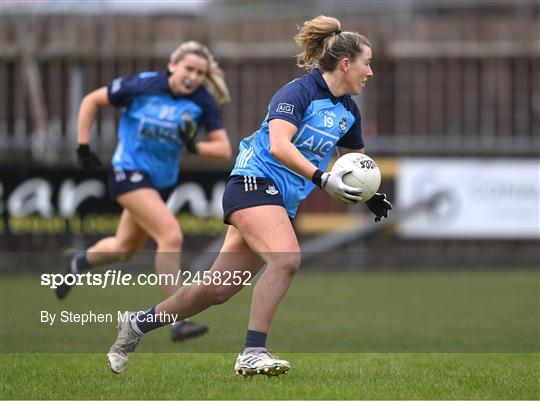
(243, 192)
(123, 181)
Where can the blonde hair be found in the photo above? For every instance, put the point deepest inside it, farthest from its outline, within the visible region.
(215, 77)
(324, 44)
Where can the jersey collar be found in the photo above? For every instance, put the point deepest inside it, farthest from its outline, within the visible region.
(164, 82)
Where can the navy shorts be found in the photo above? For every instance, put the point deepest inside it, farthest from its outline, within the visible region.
(248, 191)
(123, 181)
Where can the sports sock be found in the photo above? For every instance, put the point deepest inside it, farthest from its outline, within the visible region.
(145, 322)
(255, 339)
(79, 262)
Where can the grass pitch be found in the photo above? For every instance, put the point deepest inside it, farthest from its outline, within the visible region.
(313, 376)
(462, 335)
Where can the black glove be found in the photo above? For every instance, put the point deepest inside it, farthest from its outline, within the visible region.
(379, 205)
(86, 158)
(189, 134)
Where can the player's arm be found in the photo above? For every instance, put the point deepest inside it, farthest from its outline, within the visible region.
(88, 111)
(87, 114)
(281, 148)
(217, 146)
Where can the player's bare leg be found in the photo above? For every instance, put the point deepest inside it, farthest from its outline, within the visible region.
(268, 230)
(235, 255)
(190, 300)
(153, 216)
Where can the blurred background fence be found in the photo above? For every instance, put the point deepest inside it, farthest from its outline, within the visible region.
(452, 78)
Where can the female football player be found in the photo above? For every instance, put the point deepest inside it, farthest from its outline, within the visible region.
(160, 115)
(278, 166)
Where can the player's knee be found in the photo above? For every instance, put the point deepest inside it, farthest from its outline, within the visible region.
(171, 241)
(126, 251)
(288, 263)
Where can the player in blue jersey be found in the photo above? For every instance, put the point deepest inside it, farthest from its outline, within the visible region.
(278, 166)
(160, 115)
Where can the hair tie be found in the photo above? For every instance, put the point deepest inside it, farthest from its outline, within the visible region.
(333, 33)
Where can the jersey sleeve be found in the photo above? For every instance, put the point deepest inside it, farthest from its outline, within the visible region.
(289, 103)
(353, 139)
(122, 90)
(211, 115)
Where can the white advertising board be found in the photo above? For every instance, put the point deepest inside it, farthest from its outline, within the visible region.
(479, 198)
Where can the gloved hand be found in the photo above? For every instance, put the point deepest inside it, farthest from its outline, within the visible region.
(86, 158)
(188, 133)
(379, 205)
(332, 183)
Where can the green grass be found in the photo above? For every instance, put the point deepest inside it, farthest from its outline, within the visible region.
(313, 376)
(382, 323)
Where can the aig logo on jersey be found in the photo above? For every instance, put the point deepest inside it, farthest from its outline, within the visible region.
(285, 108)
(314, 140)
(116, 85)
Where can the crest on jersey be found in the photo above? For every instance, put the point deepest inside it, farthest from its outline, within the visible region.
(271, 190)
(136, 177)
(343, 124)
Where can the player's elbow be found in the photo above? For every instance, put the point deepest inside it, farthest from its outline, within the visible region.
(276, 151)
(227, 152)
(224, 152)
(96, 98)
(88, 101)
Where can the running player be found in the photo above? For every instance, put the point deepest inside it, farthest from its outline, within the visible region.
(278, 166)
(160, 116)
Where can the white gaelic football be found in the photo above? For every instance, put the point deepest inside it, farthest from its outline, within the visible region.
(365, 173)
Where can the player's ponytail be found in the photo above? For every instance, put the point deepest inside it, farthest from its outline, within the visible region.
(324, 44)
(216, 83)
(215, 78)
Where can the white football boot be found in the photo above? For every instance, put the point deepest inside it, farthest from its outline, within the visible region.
(260, 361)
(126, 341)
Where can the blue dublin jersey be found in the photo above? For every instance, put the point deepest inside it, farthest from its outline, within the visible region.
(323, 122)
(149, 128)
